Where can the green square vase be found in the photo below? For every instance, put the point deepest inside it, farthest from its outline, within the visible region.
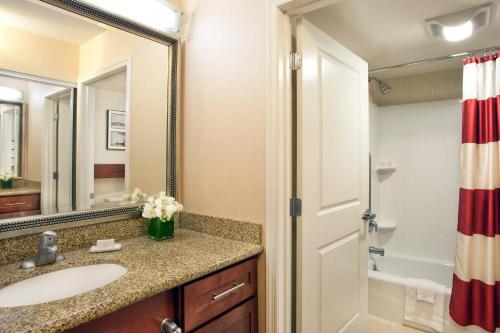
(160, 229)
(7, 183)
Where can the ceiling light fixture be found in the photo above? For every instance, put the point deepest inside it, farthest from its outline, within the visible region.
(10, 94)
(459, 32)
(157, 14)
(459, 25)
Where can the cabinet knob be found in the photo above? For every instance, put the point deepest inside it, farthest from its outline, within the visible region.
(169, 326)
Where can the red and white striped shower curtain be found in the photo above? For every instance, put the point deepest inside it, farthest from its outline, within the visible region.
(475, 298)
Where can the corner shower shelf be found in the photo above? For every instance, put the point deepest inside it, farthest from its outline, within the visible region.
(387, 225)
(386, 167)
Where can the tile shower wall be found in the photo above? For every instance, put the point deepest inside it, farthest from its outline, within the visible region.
(421, 196)
(374, 151)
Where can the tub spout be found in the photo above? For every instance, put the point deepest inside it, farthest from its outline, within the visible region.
(376, 250)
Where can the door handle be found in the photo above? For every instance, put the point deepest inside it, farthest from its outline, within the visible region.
(228, 292)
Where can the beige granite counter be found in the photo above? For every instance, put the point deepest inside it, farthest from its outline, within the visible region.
(152, 267)
(21, 187)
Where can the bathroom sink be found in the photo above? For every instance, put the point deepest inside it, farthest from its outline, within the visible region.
(59, 284)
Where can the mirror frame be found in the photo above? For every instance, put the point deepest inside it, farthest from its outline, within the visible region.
(25, 225)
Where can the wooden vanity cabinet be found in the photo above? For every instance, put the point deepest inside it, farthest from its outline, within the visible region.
(19, 205)
(141, 317)
(241, 319)
(210, 296)
(222, 302)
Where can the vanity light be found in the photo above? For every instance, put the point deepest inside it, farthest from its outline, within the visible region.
(459, 25)
(10, 94)
(156, 14)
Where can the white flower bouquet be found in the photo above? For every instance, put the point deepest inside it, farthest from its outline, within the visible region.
(6, 178)
(162, 207)
(136, 197)
(161, 211)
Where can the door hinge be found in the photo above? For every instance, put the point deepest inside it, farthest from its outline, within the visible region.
(295, 207)
(55, 116)
(295, 61)
(55, 175)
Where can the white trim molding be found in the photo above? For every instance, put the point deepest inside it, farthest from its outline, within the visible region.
(278, 174)
(297, 7)
(278, 229)
(85, 133)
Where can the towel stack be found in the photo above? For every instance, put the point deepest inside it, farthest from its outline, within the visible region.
(425, 303)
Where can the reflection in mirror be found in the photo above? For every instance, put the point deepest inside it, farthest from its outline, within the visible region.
(36, 135)
(76, 98)
(10, 137)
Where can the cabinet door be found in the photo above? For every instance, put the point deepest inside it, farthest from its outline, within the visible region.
(213, 295)
(242, 319)
(144, 317)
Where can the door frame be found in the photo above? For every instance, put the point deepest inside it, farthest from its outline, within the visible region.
(278, 227)
(48, 186)
(86, 103)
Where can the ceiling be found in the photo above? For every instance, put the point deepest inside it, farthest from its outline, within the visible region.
(390, 32)
(42, 20)
(27, 87)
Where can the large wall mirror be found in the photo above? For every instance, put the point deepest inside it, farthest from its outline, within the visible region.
(87, 112)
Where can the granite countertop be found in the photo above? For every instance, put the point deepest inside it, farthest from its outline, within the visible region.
(152, 268)
(21, 187)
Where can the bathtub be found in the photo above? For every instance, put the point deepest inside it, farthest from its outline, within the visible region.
(386, 288)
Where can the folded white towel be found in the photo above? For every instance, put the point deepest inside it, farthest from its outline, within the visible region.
(423, 312)
(426, 291)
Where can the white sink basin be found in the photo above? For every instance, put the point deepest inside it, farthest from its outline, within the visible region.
(59, 284)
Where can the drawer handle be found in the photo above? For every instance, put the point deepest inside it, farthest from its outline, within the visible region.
(16, 204)
(228, 292)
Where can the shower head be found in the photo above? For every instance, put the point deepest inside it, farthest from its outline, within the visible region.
(383, 87)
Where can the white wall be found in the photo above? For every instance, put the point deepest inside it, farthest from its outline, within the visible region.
(224, 109)
(148, 98)
(105, 100)
(374, 151)
(26, 52)
(423, 139)
(223, 152)
(35, 99)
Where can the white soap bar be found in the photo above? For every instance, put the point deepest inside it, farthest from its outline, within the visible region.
(105, 244)
(96, 249)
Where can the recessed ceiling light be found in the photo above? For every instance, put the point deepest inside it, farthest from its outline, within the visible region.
(459, 32)
(459, 25)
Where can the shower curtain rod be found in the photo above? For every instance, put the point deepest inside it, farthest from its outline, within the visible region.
(445, 57)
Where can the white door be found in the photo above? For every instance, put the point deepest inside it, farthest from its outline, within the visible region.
(332, 181)
(57, 147)
(65, 153)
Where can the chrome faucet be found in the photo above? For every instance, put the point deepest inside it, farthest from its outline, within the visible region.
(372, 226)
(47, 251)
(376, 250)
